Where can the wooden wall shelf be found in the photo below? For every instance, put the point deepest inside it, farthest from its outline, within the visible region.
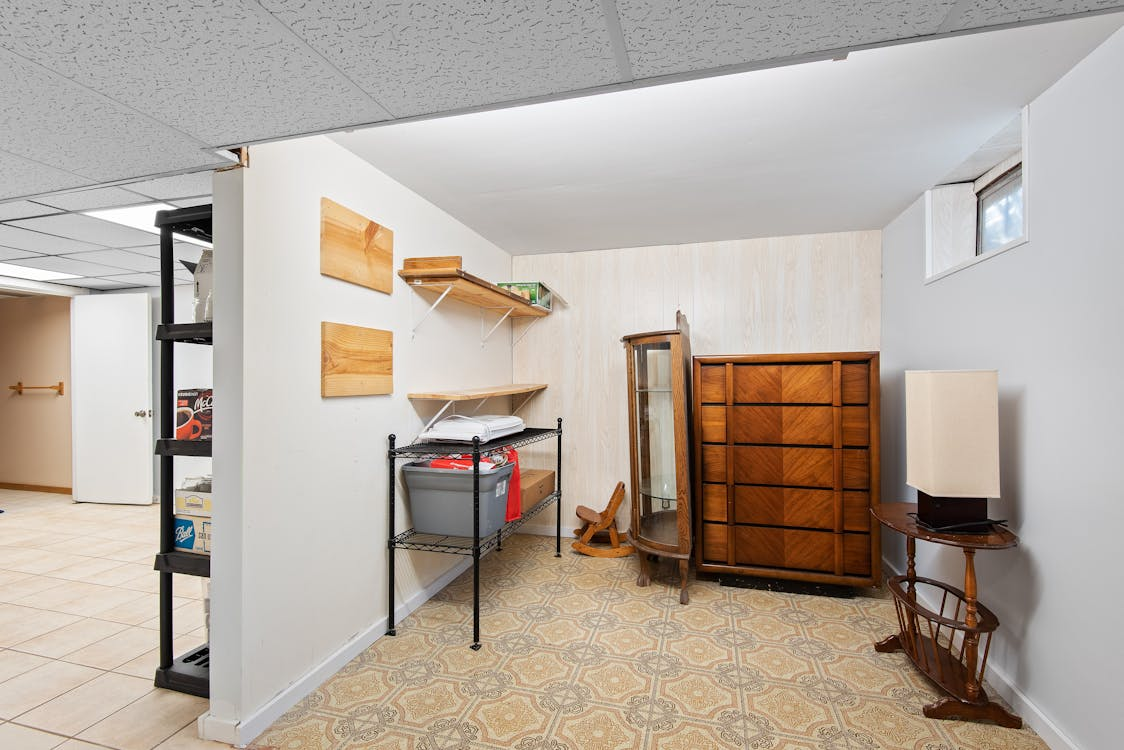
(472, 394)
(528, 390)
(454, 282)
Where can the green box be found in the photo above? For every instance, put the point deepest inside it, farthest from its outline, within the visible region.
(533, 291)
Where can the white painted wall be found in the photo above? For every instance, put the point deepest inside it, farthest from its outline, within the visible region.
(807, 293)
(1047, 316)
(300, 515)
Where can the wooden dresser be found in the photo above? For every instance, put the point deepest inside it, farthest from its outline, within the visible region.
(787, 466)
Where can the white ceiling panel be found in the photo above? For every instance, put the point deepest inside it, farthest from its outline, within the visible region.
(177, 186)
(137, 279)
(24, 209)
(20, 176)
(122, 259)
(180, 250)
(87, 229)
(666, 36)
(7, 253)
(201, 200)
(994, 12)
(460, 54)
(102, 139)
(87, 200)
(95, 283)
(64, 264)
(25, 239)
(221, 70)
(182, 275)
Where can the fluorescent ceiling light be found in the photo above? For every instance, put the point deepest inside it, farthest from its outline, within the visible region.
(33, 274)
(141, 217)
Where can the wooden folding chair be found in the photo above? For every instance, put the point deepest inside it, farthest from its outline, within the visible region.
(602, 523)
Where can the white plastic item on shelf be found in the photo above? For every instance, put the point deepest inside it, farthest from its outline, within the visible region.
(204, 278)
(462, 429)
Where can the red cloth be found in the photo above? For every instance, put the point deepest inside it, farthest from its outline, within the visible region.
(513, 492)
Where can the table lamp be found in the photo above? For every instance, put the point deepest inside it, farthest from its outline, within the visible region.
(952, 447)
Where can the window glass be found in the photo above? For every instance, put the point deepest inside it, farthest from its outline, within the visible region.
(1000, 212)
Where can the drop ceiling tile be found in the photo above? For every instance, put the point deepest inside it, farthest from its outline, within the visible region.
(95, 283)
(88, 134)
(24, 210)
(201, 200)
(180, 250)
(20, 176)
(67, 265)
(122, 259)
(25, 239)
(87, 228)
(88, 200)
(176, 186)
(992, 12)
(7, 253)
(666, 37)
(222, 70)
(433, 55)
(137, 279)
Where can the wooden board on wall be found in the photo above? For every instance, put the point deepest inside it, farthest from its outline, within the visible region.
(354, 248)
(355, 361)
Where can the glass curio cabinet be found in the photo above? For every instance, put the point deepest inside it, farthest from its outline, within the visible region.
(659, 369)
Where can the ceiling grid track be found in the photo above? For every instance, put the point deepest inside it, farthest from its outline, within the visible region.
(292, 34)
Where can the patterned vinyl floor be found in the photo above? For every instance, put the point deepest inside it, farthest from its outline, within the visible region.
(576, 656)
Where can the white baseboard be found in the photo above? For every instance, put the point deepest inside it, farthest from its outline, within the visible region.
(243, 732)
(1001, 683)
(542, 529)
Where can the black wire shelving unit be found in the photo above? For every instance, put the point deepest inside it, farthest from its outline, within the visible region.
(468, 545)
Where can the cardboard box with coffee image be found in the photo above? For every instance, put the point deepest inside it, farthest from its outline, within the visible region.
(193, 414)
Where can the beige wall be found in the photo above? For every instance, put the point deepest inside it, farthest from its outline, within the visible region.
(35, 427)
(805, 293)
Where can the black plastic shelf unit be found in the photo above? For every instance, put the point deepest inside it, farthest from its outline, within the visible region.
(188, 333)
(475, 545)
(190, 673)
(170, 447)
(185, 563)
(194, 222)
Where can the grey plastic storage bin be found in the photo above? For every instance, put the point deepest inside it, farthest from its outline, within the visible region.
(441, 499)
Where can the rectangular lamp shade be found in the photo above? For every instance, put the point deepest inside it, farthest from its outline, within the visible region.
(952, 432)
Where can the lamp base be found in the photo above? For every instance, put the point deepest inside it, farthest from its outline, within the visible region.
(953, 515)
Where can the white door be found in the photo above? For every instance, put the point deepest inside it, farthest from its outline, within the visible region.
(111, 401)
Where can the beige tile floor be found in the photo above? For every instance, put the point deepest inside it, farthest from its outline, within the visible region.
(79, 629)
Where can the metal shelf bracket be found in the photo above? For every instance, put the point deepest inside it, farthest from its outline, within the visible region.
(530, 324)
(436, 302)
(485, 336)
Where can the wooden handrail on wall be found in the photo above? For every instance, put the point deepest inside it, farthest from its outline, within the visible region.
(19, 388)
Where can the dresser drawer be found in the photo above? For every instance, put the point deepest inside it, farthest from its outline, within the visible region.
(794, 549)
(785, 506)
(784, 425)
(777, 384)
(713, 545)
(802, 467)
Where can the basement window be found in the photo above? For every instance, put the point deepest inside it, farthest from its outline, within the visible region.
(979, 210)
(999, 211)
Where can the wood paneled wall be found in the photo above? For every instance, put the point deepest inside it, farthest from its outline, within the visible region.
(808, 293)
